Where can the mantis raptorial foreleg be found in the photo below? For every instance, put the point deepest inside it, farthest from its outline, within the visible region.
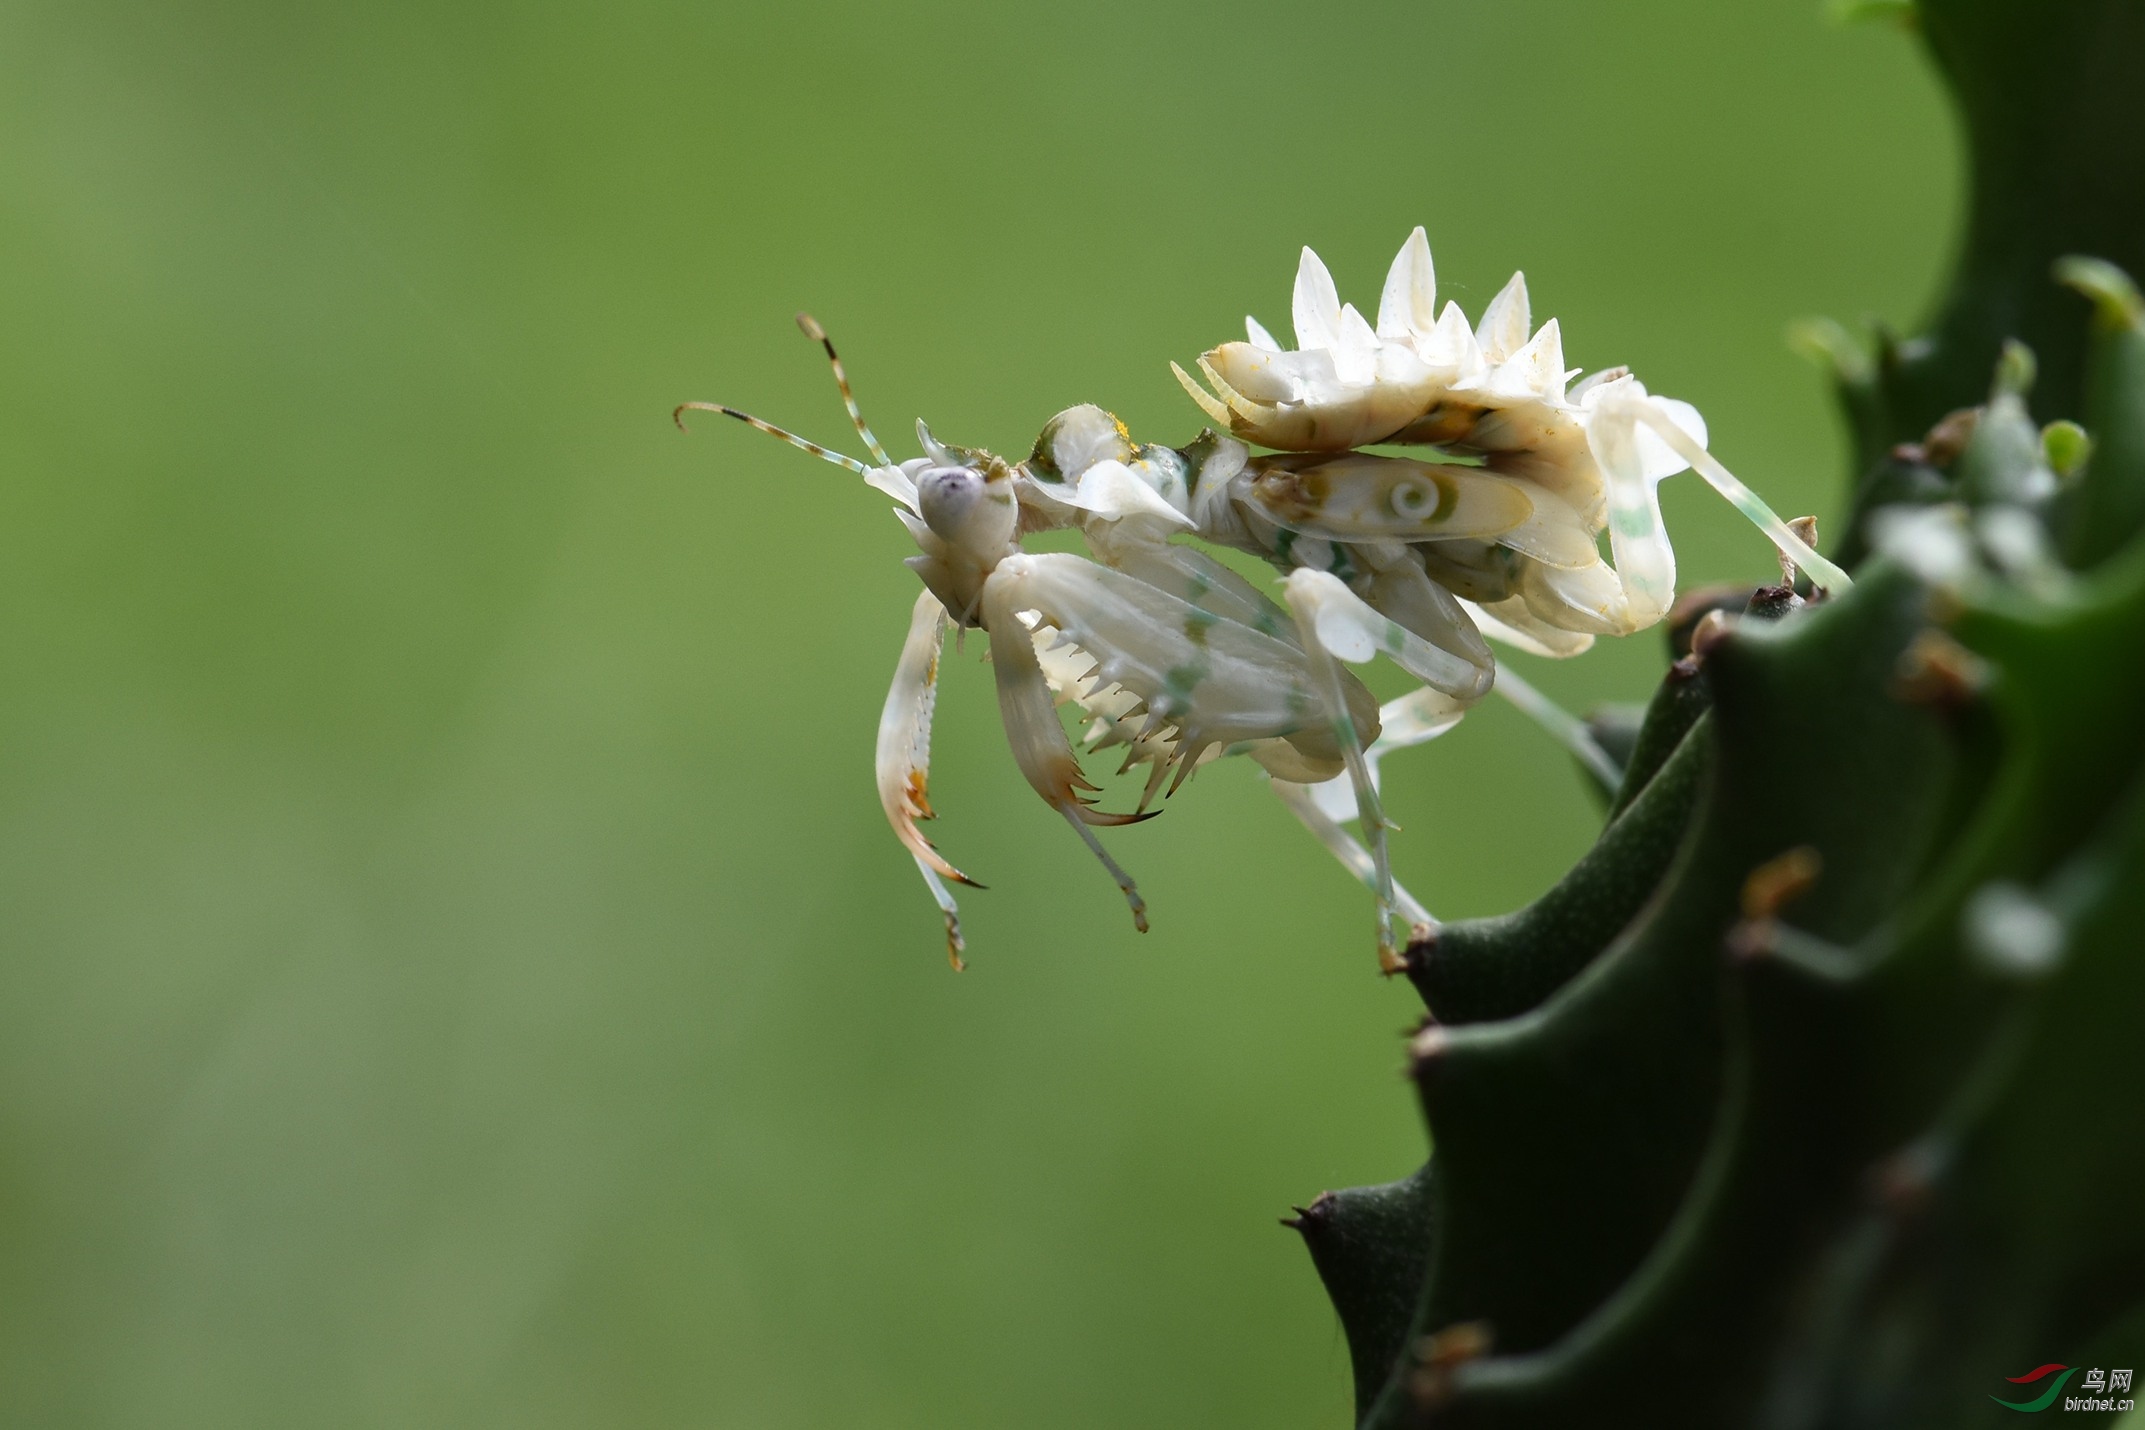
(904, 757)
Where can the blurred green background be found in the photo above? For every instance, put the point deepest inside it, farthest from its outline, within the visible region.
(455, 972)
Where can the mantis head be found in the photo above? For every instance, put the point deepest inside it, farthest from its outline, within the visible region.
(958, 503)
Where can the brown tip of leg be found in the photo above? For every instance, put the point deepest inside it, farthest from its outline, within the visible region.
(1426, 1049)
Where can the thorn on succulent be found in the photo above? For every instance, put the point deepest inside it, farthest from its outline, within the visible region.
(1895, 354)
(1903, 1184)
(1779, 881)
(1311, 1218)
(1437, 1356)
(2009, 931)
(1805, 528)
(1899, 1191)
(1694, 605)
(1827, 343)
(1937, 671)
(1770, 603)
(1427, 1048)
(2115, 299)
(1712, 628)
(1750, 940)
(1814, 958)
(1947, 439)
(1422, 947)
(2016, 369)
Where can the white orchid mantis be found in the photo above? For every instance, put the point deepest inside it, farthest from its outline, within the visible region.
(1180, 668)
(1167, 652)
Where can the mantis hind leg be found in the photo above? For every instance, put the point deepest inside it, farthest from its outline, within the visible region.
(1413, 719)
(1029, 710)
(1752, 506)
(1561, 726)
(955, 944)
(1125, 885)
(1303, 801)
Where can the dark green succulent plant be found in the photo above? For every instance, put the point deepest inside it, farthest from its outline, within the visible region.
(1813, 1095)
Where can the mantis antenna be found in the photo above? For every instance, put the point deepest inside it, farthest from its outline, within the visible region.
(678, 416)
(812, 330)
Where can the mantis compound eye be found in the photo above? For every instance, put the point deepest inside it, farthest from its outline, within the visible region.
(958, 505)
(946, 497)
